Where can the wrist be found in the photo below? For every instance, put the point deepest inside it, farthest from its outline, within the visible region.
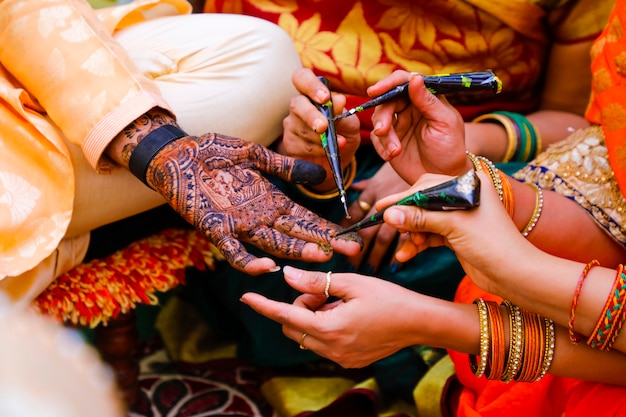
(523, 141)
(459, 330)
(149, 147)
(487, 139)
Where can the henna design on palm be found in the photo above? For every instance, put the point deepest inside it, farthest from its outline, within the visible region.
(215, 183)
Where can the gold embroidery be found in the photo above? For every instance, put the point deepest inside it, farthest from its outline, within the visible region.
(578, 168)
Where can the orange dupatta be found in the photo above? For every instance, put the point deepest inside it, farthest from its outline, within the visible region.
(609, 88)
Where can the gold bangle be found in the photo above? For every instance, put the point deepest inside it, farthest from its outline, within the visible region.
(485, 343)
(509, 127)
(549, 348)
(536, 212)
(500, 181)
(493, 173)
(349, 175)
(516, 341)
(477, 166)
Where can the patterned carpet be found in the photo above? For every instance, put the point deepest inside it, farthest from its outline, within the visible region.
(231, 387)
(221, 387)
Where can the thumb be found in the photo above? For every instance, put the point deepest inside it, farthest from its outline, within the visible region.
(288, 168)
(414, 219)
(429, 105)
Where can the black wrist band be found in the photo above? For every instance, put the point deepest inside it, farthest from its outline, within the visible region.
(149, 146)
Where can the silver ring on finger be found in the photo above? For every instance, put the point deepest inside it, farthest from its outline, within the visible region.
(327, 288)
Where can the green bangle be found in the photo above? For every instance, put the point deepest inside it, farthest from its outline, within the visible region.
(528, 138)
(149, 146)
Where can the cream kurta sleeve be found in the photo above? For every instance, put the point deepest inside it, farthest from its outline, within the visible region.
(61, 75)
(67, 59)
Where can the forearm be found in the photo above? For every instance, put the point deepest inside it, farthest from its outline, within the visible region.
(548, 285)
(574, 236)
(564, 98)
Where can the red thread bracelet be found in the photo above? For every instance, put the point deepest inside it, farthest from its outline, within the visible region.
(572, 312)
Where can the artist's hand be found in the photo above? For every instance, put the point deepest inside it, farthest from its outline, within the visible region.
(480, 237)
(373, 318)
(426, 136)
(378, 238)
(215, 182)
(303, 125)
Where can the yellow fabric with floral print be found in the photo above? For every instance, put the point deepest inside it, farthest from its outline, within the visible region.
(356, 43)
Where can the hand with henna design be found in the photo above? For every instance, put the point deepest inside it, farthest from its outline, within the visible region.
(215, 183)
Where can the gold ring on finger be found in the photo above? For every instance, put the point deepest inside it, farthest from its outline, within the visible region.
(304, 335)
(365, 206)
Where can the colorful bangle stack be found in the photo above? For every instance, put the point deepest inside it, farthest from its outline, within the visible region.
(573, 337)
(500, 181)
(503, 187)
(611, 320)
(524, 141)
(348, 175)
(530, 351)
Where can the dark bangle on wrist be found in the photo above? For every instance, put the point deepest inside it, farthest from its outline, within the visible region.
(149, 146)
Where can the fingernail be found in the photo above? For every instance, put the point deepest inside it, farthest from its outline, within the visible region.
(369, 269)
(320, 96)
(377, 126)
(275, 269)
(316, 125)
(394, 216)
(292, 273)
(394, 267)
(349, 268)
